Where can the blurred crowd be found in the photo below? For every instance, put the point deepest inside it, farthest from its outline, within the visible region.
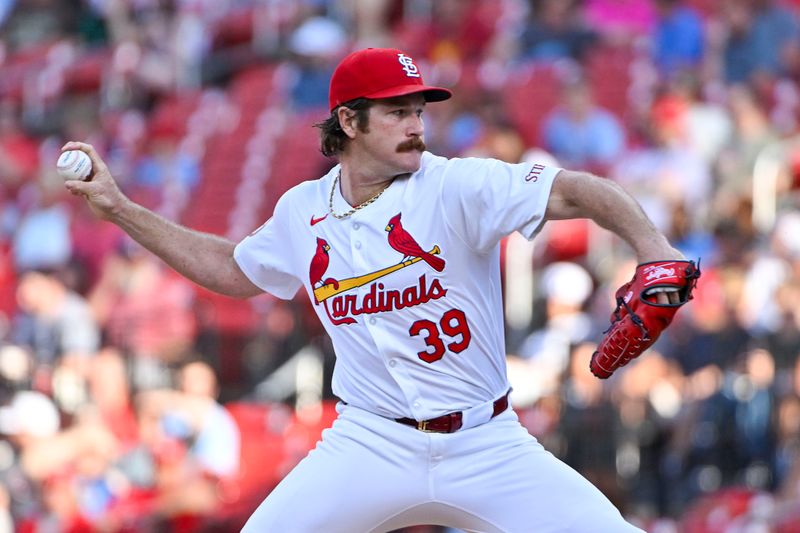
(130, 401)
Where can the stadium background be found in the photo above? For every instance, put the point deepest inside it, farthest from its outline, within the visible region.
(134, 401)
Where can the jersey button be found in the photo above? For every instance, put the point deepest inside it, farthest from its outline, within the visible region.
(372, 320)
(356, 225)
(357, 245)
(416, 405)
(392, 362)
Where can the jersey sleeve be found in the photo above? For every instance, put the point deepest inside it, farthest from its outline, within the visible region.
(486, 199)
(266, 258)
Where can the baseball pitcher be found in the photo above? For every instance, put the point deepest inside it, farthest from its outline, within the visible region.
(398, 250)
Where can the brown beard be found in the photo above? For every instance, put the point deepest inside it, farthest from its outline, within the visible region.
(414, 143)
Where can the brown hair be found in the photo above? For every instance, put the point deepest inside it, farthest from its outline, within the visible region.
(333, 139)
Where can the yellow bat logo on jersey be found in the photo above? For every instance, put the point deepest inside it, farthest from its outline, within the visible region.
(334, 287)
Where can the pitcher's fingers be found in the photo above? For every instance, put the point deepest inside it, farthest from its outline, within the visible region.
(79, 187)
(98, 164)
(79, 194)
(662, 298)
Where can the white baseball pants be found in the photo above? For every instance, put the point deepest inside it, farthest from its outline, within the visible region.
(372, 474)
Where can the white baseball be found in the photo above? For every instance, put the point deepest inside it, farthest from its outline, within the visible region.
(74, 165)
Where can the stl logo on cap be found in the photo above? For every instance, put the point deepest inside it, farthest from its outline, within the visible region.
(408, 65)
(373, 73)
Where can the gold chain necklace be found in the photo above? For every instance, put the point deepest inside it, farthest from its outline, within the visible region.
(356, 208)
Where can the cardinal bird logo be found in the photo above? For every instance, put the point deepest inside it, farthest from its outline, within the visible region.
(403, 242)
(319, 264)
(378, 297)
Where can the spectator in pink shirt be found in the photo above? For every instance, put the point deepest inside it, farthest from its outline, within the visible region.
(621, 21)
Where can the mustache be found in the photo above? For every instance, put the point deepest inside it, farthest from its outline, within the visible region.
(414, 143)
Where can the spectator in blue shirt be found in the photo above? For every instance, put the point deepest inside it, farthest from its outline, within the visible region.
(758, 37)
(581, 134)
(679, 39)
(555, 31)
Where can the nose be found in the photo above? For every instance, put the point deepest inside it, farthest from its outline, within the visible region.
(416, 127)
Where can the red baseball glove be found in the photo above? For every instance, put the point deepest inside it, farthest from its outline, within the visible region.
(638, 320)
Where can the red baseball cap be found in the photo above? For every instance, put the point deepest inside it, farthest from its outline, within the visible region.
(379, 73)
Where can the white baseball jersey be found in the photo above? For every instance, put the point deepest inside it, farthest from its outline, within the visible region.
(408, 287)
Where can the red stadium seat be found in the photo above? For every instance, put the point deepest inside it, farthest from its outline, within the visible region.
(85, 75)
(715, 512)
(608, 73)
(261, 428)
(530, 94)
(274, 439)
(236, 27)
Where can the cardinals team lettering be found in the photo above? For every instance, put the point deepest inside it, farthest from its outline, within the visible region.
(379, 300)
(341, 307)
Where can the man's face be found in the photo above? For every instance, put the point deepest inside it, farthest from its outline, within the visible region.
(395, 134)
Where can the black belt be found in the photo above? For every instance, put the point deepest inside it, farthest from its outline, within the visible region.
(451, 422)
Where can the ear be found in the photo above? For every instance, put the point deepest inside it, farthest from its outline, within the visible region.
(347, 121)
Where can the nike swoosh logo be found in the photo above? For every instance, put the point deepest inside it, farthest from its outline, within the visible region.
(315, 220)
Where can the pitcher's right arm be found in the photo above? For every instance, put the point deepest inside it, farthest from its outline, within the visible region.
(203, 258)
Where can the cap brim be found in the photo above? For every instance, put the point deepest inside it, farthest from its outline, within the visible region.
(431, 94)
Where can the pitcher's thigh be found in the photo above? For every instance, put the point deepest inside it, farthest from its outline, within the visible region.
(520, 487)
(559, 499)
(342, 486)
